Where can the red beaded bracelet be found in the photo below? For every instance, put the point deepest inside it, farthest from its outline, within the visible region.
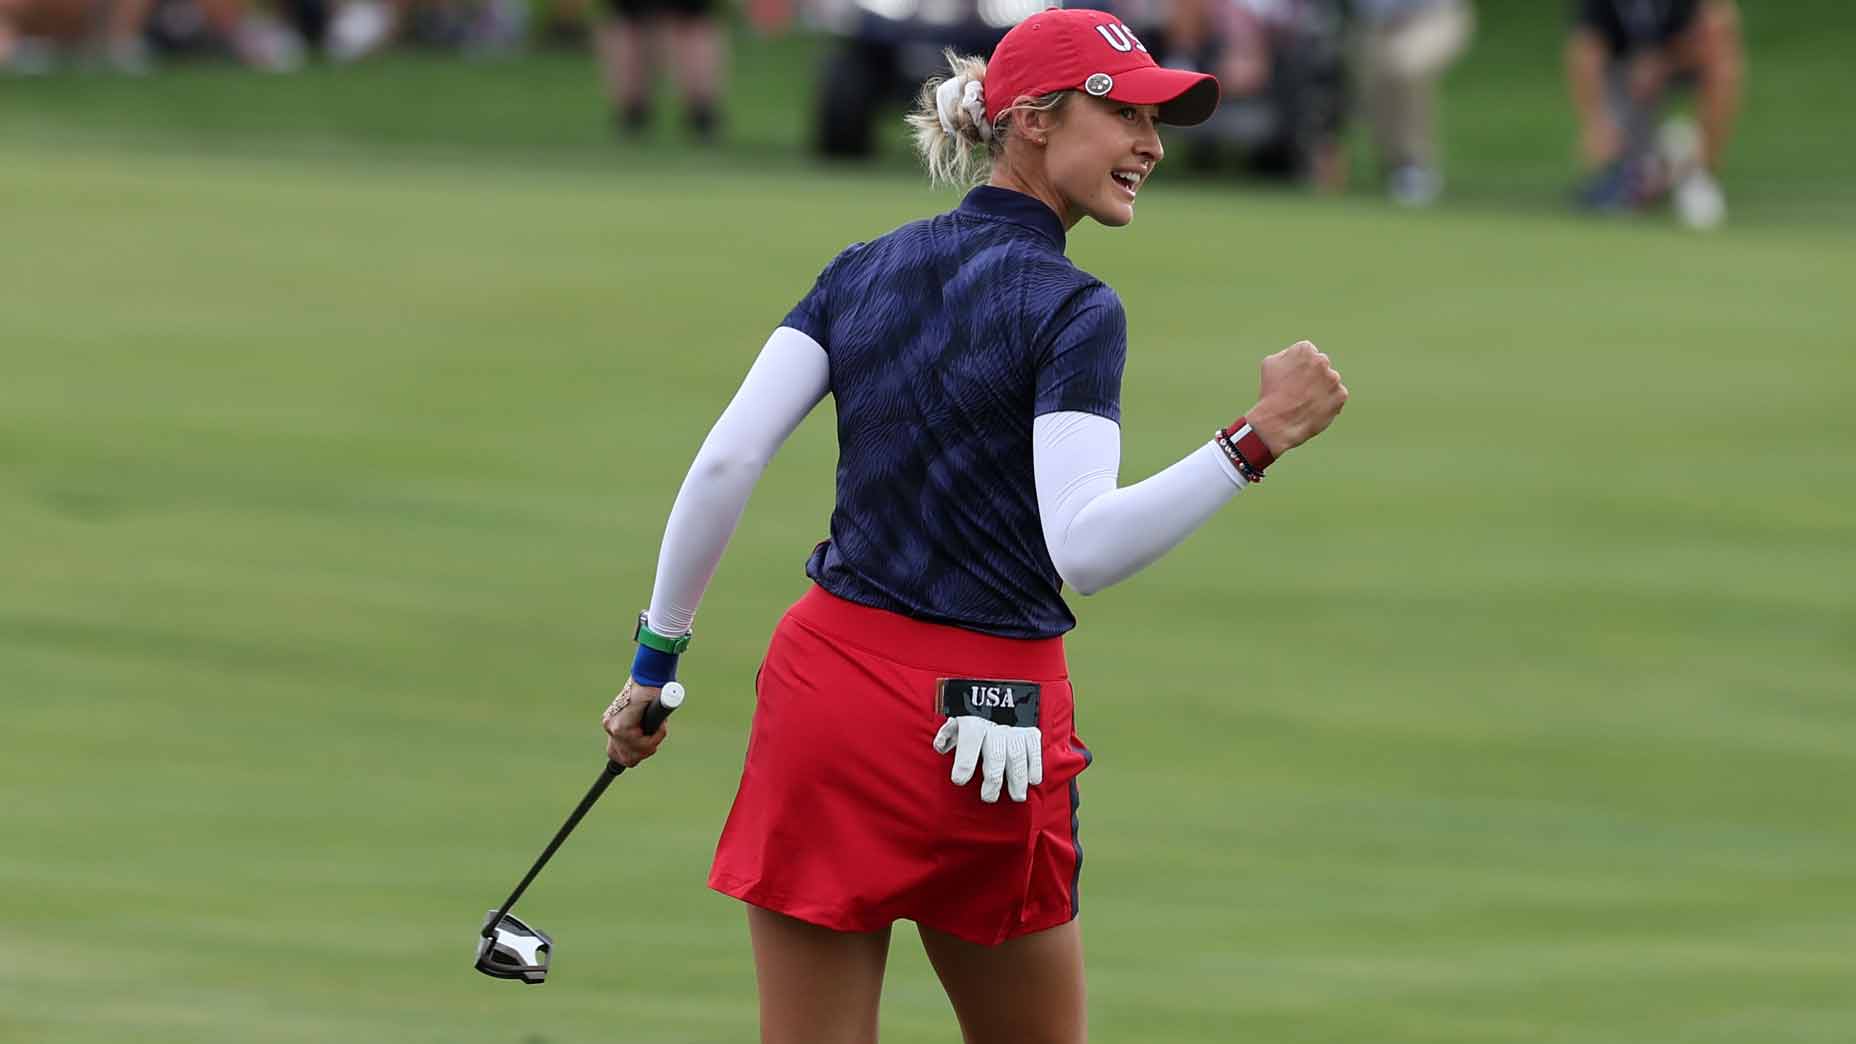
(1237, 460)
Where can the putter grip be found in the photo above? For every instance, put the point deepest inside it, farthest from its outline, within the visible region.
(667, 701)
(654, 716)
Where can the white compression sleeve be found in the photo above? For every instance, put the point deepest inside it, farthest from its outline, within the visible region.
(1099, 535)
(790, 377)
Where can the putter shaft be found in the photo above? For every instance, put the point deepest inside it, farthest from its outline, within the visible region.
(654, 716)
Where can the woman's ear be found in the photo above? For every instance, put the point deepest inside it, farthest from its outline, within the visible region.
(1033, 125)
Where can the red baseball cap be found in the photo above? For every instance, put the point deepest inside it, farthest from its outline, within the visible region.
(1092, 52)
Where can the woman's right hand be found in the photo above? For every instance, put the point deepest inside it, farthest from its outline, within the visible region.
(1301, 394)
(623, 721)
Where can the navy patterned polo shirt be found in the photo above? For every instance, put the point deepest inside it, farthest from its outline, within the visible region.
(946, 337)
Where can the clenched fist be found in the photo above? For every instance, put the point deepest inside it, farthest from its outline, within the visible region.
(1300, 396)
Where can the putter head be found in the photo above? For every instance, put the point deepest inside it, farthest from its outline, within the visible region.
(509, 949)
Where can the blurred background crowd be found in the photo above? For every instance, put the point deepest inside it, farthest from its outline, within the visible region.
(1298, 75)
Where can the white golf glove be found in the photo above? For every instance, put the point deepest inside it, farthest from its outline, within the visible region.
(1008, 754)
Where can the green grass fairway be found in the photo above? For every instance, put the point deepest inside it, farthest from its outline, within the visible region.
(1521, 707)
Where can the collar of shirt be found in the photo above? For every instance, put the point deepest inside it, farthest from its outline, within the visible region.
(1001, 204)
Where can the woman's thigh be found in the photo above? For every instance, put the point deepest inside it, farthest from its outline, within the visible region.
(817, 986)
(1027, 990)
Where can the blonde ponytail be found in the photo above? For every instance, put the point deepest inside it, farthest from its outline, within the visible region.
(951, 133)
(956, 143)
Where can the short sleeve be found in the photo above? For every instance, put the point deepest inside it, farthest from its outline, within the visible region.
(1081, 352)
(812, 315)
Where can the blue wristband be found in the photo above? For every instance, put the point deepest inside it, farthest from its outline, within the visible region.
(653, 668)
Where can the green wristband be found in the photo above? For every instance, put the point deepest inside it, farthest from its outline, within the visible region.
(652, 640)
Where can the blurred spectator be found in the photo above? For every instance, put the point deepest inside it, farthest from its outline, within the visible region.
(361, 28)
(563, 24)
(880, 51)
(1623, 58)
(123, 35)
(1405, 46)
(770, 17)
(10, 39)
(255, 37)
(112, 33)
(1223, 37)
(1280, 67)
(310, 19)
(697, 50)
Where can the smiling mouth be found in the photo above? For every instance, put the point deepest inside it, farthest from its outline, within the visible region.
(1127, 181)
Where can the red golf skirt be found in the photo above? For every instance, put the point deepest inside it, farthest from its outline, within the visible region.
(846, 817)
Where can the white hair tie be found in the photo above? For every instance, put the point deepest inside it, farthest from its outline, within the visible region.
(974, 102)
(960, 92)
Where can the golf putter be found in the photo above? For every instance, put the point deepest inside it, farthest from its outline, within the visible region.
(507, 948)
